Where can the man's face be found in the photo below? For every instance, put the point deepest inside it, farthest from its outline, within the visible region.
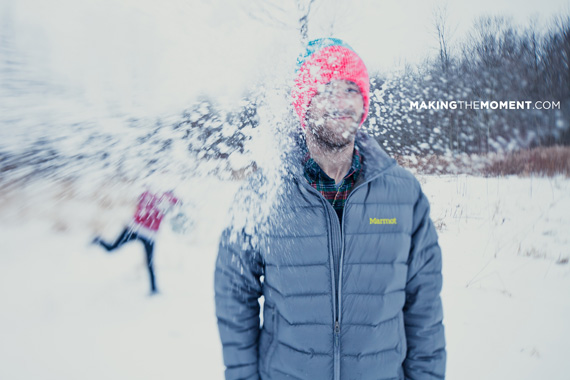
(335, 113)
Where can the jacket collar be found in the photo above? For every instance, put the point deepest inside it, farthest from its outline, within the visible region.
(374, 159)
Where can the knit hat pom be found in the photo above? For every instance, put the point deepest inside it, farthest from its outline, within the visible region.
(326, 60)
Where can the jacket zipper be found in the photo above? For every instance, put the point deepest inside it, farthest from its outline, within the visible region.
(337, 350)
(336, 329)
(336, 297)
(337, 286)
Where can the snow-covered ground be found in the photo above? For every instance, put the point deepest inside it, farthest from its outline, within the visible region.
(69, 310)
(506, 246)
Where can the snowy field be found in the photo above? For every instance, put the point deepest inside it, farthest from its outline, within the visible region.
(71, 311)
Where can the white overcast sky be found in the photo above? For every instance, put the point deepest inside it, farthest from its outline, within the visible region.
(149, 55)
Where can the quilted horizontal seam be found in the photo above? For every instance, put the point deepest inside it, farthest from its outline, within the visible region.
(413, 180)
(377, 263)
(371, 353)
(373, 294)
(287, 374)
(380, 232)
(297, 294)
(304, 323)
(407, 178)
(286, 265)
(302, 351)
(371, 325)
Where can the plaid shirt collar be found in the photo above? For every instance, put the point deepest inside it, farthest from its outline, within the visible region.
(326, 185)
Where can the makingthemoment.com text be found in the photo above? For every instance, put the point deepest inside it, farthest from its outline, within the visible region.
(485, 105)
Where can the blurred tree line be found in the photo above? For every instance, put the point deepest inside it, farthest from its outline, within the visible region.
(496, 62)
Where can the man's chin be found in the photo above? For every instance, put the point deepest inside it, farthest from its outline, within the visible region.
(334, 143)
(329, 140)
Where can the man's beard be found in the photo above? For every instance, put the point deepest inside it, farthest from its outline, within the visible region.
(328, 140)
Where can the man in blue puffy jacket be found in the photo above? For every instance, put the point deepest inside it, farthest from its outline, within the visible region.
(347, 258)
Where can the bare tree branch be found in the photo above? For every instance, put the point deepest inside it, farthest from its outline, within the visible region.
(441, 29)
(304, 20)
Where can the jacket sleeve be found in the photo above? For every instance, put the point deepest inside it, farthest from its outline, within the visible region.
(423, 314)
(237, 290)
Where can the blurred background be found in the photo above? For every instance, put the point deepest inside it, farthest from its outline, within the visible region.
(103, 99)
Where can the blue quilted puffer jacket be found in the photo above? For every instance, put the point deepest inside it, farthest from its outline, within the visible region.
(359, 301)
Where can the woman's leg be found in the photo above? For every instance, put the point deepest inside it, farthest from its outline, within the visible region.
(149, 249)
(124, 237)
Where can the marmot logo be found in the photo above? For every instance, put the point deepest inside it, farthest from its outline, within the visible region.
(383, 221)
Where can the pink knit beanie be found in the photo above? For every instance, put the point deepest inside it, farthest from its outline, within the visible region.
(325, 60)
